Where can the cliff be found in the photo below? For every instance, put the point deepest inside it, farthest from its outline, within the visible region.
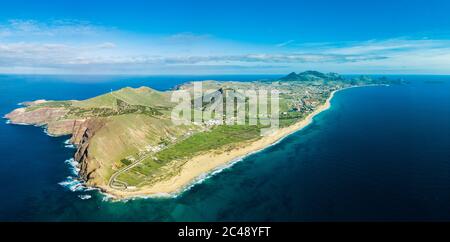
(82, 135)
(127, 137)
(106, 129)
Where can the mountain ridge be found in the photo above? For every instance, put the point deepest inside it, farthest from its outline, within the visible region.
(312, 76)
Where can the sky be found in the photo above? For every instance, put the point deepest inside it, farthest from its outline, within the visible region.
(224, 37)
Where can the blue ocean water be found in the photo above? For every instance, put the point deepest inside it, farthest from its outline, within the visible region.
(379, 153)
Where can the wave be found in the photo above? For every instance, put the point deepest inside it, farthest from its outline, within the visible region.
(109, 198)
(22, 124)
(76, 185)
(73, 166)
(85, 196)
(69, 145)
(200, 179)
(205, 176)
(34, 125)
(47, 133)
(73, 184)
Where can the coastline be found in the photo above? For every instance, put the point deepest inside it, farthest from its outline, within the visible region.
(203, 166)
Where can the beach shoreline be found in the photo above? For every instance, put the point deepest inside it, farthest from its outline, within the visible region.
(202, 166)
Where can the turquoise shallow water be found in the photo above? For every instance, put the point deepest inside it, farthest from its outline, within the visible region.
(379, 153)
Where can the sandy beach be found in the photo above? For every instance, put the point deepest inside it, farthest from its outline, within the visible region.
(204, 164)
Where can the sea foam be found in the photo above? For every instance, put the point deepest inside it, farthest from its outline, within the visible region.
(67, 144)
(73, 166)
(199, 180)
(85, 196)
(72, 184)
(47, 133)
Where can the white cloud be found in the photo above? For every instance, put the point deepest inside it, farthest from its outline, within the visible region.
(286, 43)
(186, 37)
(57, 28)
(80, 47)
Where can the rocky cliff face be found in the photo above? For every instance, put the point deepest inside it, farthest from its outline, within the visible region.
(64, 127)
(41, 116)
(52, 118)
(82, 131)
(81, 137)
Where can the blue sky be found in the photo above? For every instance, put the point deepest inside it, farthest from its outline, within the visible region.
(224, 37)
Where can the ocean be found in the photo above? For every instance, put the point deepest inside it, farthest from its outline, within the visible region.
(379, 153)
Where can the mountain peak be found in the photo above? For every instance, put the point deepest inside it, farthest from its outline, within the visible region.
(311, 76)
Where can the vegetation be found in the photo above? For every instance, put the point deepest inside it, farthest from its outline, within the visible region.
(220, 137)
(138, 129)
(214, 139)
(126, 162)
(50, 104)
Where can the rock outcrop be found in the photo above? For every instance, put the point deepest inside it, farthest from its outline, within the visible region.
(81, 137)
(82, 130)
(40, 116)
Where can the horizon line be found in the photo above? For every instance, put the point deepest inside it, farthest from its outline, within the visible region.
(218, 74)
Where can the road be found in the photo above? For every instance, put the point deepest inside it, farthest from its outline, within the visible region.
(123, 185)
(120, 185)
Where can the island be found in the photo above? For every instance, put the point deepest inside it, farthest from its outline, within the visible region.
(127, 144)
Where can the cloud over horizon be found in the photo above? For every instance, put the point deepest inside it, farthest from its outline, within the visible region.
(74, 47)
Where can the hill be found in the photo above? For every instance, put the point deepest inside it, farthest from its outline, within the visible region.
(127, 143)
(312, 76)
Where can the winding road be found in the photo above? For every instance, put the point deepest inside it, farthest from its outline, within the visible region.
(120, 185)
